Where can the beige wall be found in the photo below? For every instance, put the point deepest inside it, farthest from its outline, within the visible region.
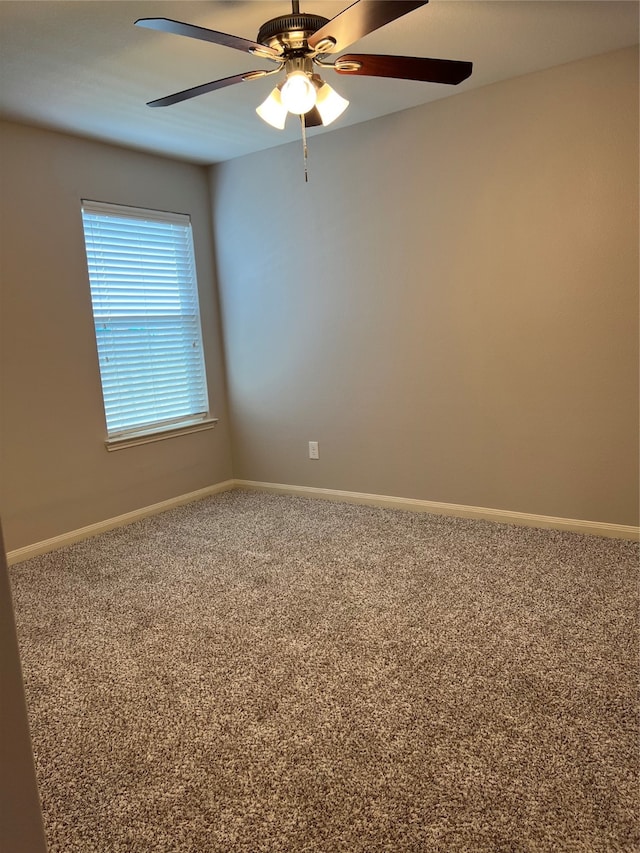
(450, 306)
(55, 473)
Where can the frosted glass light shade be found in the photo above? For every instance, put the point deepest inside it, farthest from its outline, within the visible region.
(298, 93)
(273, 111)
(330, 104)
(300, 97)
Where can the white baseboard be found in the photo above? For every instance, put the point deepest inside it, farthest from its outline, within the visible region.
(64, 539)
(595, 528)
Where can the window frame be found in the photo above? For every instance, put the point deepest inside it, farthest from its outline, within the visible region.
(162, 428)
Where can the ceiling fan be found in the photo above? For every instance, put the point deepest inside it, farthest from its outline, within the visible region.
(298, 42)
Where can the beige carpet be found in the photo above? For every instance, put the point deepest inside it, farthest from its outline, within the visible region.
(263, 673)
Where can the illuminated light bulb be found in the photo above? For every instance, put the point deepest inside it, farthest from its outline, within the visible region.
(273, 111)
(298, 93)
(330, 104)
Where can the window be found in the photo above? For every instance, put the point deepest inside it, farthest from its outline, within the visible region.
(147, 321)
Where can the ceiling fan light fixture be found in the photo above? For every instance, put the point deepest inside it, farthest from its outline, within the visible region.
(273, 111)
(330, 104)
(298, 93)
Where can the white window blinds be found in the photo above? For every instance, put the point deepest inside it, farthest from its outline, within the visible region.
(147, 320)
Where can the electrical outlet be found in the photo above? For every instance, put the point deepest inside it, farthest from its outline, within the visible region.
(314, 453)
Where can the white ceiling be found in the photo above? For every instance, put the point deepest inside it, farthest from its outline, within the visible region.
(82, 66)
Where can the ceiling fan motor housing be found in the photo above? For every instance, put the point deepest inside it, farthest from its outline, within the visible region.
(290, 32)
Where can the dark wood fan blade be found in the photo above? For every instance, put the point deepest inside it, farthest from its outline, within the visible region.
(186, 94)
(166, 25)
(312, 118)
(358, 20)
(450, 71)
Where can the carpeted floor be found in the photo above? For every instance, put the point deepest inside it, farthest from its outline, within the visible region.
(264, 673)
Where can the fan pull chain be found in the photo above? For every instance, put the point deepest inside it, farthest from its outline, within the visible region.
(304, 147)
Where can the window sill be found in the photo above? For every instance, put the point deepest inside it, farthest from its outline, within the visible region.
(159, 435)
